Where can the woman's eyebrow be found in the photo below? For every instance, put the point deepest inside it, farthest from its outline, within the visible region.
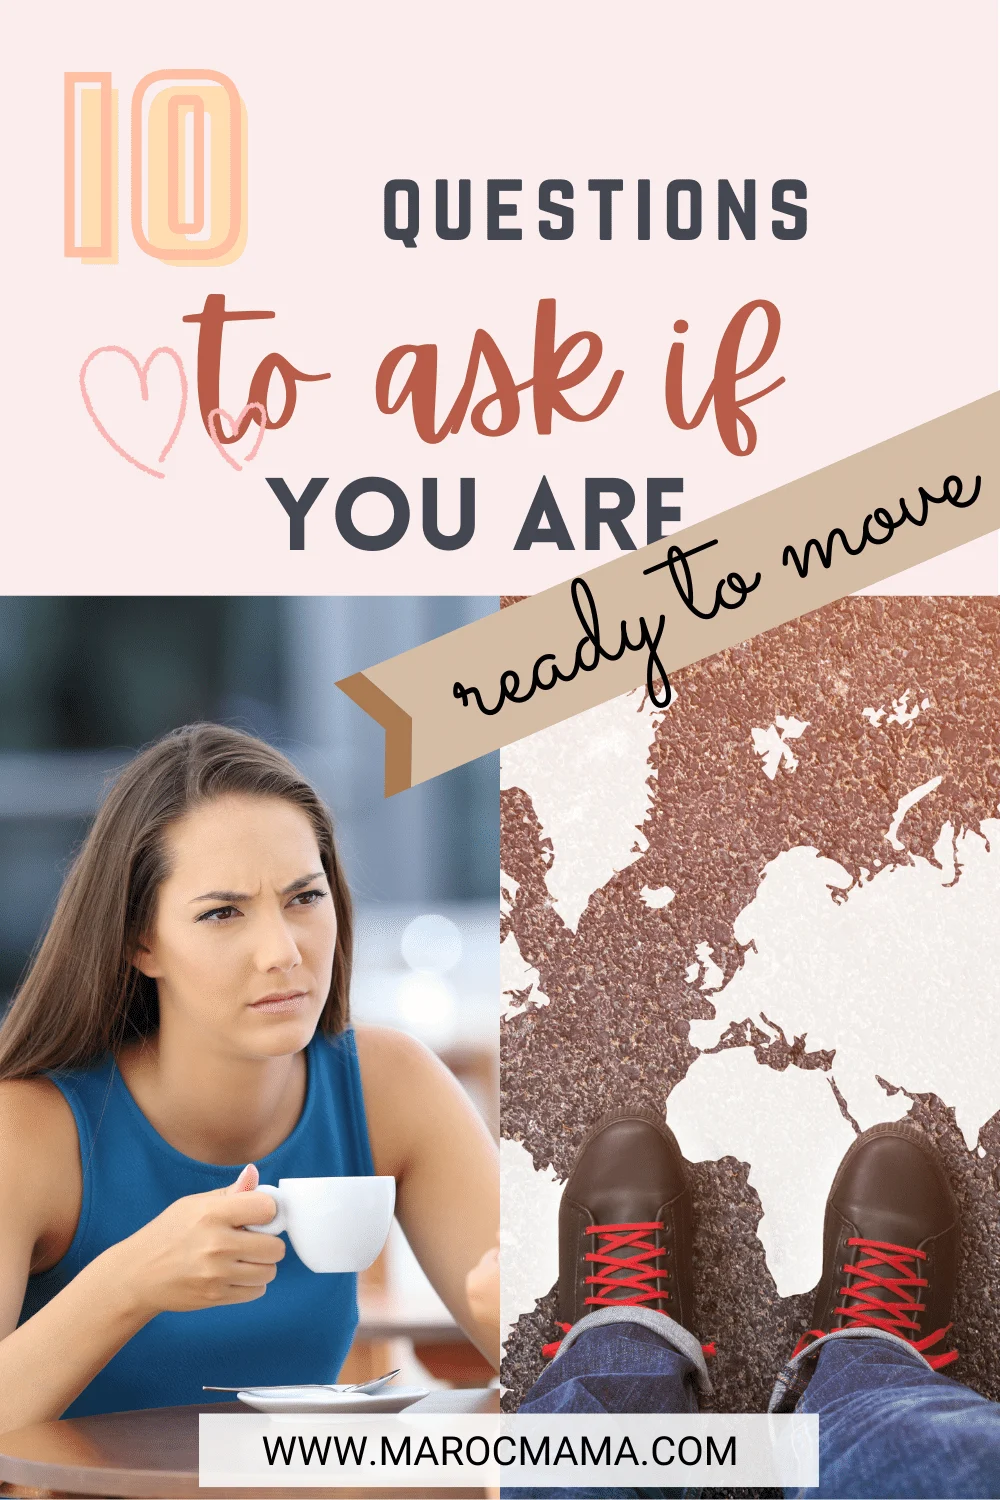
(296, 885)
(302, 881)
(221, 896)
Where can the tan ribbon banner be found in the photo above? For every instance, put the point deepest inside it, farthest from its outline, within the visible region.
(650, 612)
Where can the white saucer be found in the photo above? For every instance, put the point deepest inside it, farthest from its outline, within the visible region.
(313, 1398)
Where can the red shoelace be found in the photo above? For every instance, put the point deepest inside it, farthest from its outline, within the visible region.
(641, 1284)
(640, 1271)
(866, 1306)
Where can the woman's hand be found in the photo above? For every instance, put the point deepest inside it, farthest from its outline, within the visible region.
(195, 1254)
(482, 1287)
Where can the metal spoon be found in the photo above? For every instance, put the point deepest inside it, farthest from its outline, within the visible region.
(365, 1387)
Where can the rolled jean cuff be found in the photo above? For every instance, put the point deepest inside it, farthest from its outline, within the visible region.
(680, 1339)
(795, 1376)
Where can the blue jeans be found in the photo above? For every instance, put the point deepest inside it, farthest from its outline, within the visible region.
(889, 1425)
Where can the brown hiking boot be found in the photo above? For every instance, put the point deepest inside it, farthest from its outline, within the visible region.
(890, 1243)
(625, 1222)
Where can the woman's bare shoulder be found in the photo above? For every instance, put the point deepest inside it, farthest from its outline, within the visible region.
(41, 1185)
(33, 1101)
(383, 1049)
(38, 1140)
(401, 1079)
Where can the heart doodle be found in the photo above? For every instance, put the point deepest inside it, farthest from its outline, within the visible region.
(143, 372)
(234, 424)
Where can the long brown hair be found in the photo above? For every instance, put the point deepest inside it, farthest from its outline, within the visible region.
(83, 997)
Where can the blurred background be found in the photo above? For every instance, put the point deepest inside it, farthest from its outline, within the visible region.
(86, 682)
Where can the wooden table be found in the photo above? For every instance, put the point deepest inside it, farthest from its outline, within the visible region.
(155, 1453)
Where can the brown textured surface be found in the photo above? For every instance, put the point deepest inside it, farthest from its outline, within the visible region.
(615, 1031)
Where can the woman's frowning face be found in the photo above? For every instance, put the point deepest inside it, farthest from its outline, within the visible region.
(243, 939)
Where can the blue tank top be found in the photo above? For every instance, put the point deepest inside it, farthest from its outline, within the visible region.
(300, 1330)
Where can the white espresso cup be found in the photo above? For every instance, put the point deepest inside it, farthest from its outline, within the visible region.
(333, 1223)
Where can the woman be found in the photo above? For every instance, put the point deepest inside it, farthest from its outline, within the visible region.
(188, 1013)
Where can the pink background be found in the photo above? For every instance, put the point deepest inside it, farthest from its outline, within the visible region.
(888, 305)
